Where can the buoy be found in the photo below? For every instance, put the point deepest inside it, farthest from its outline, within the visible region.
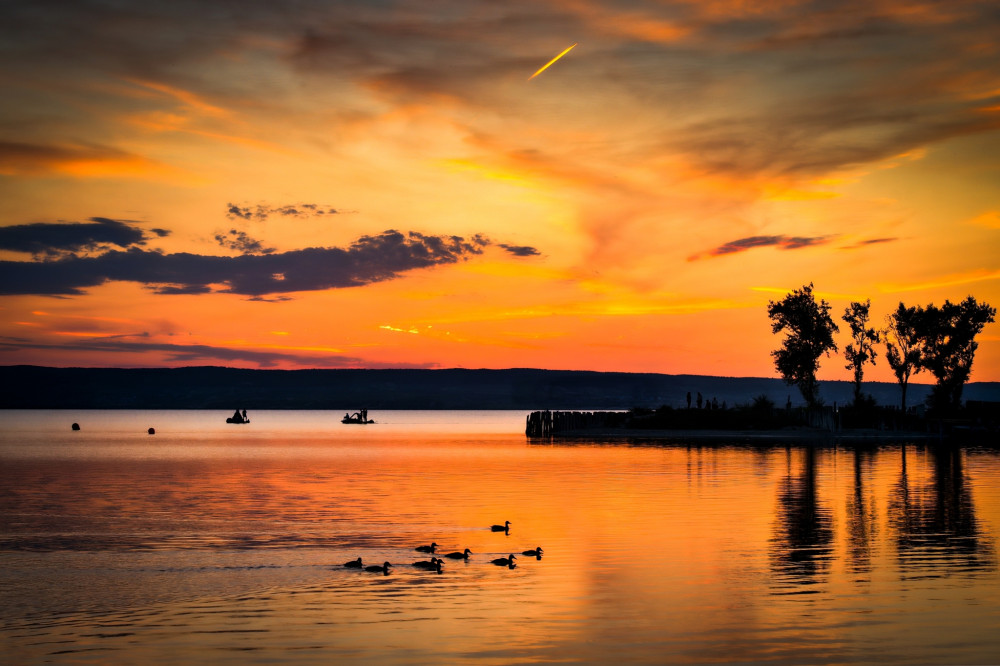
(76, 426)
(151, 431)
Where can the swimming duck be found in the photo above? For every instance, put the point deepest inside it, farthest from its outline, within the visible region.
(505, 561)
(434, 564)
(460, 556)
(537, 552)
(426, 549)
(382, 569)
(501, 528)
(353, 564)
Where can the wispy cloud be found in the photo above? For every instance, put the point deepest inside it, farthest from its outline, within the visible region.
(261, 212)
(200, 354)
(868, 242)
(781, 242)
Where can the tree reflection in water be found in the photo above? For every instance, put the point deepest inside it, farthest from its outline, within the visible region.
(934, 522)
(801, 548)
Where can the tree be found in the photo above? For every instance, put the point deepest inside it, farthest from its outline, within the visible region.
(902, 346)
(810, 335)
(948, 346)
(862, 348)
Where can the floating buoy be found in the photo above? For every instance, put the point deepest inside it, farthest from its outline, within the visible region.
(76, 426)
(151, 431)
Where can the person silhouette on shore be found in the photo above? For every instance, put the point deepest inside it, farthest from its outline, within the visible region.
(689, 399)
(699, 400)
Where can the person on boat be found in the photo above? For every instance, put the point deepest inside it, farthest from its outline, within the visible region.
(245, 416)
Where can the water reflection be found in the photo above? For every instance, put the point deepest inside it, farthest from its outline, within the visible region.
(801, 545)
(862, 516)
(933, 519)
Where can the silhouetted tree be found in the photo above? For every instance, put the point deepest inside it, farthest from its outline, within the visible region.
(948, 346)
(810, 335)
(902, 346)
(861, 350)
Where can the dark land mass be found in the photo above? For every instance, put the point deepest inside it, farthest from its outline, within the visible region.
(34, 387)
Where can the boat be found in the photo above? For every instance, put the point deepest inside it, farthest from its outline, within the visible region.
(357, 418)
(238, 418)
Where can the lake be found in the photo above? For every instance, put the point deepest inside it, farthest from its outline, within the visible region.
(225, 544)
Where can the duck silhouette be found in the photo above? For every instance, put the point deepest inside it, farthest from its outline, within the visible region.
(434, 564)
(379, 569)
(460, 556)
(354, 564)
(537, 552)
(505, 561)
(426, 549)
(501, 528)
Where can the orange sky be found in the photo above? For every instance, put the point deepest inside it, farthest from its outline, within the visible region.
(338, 184)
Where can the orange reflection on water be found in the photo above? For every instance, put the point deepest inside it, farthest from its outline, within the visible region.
(653, 553)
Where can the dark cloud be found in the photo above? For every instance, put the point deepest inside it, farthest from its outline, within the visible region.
(781, 241)
(520, 250)
(199, 354)
(61, 238)
(237, 211)
(262, 212)
(241, 242)
(369, 259)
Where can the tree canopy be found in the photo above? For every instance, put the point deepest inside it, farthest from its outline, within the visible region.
(861, 350)
(810, 330)
(948, 346)
(902, 346)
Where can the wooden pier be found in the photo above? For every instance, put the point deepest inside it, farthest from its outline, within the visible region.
(548, 423)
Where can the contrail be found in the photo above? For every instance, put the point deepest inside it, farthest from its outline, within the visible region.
(549, 63)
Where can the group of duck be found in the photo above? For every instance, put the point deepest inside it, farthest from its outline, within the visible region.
(436, 563)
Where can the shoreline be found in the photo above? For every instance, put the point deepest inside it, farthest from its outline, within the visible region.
(784, 435)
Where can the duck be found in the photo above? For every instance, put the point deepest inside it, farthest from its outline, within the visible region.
(426, 549)
(380, 569)
(354, 564)
(460, 556)
(537, 552)
(434, 564)
(501, 528)
(505, 561)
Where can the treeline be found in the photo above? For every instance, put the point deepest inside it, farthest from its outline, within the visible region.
(939, 340)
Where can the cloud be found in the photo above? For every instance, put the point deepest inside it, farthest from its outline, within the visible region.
(781, 241)
(520, 250)
(61, 238)
(262, 212)
(201, 354)
(241, 242)
(369, 259)
(869, 241)
(989, 219)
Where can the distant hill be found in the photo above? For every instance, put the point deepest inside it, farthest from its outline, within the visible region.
(34, 387)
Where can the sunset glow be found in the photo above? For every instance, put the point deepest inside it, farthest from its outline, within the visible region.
(382, 185)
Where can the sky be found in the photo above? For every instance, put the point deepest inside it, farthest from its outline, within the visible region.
(376, 184)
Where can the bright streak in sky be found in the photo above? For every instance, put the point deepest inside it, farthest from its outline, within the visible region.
(549, 63)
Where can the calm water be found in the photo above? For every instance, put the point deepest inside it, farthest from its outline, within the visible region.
(209, 542)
